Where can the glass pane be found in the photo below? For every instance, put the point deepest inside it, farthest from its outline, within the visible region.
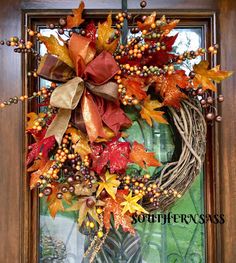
(60, 240)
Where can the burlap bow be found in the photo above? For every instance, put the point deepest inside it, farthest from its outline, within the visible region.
(90, 75)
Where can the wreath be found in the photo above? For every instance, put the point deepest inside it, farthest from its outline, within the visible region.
(82, 157)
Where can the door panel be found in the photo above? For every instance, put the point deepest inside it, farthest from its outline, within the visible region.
(59, 239)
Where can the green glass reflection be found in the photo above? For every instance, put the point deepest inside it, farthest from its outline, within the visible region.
(60, 240)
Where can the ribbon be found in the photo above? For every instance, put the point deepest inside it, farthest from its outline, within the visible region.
(92, 76)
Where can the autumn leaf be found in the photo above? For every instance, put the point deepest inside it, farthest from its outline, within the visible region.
(110, 184)
(42, 168)
(204, 77)
(167, 27)
(53, 47)
(113, 153)
(76, 19)
(113, 207)
(135, 87)
(130, 204)
(84, 209)
(44, 146)
(105, 32)
(90, 31)
(169, 87)
(83, 189)
(147, 22)
(35, 166)
(75, 134)
(109, 135)
(55, 205)
(140, 156)
(80, 140)
(38, 164)
(34, 178)
(32, 118)
(148, 111)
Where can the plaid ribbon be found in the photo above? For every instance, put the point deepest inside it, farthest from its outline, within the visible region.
(54, 69)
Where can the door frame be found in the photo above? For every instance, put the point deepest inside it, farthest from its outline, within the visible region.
(30, 200)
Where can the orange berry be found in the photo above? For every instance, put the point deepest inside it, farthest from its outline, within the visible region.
(31, 33)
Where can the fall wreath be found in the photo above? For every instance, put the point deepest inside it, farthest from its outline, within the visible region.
(81, 154)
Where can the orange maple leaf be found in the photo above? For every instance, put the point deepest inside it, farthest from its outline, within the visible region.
(76, 19)
(169, 87)
(204, 77)
(135, 87)
(148, 111)
(42, 168)
(114, 207)
(140, 156)
(147, 22)
(105, 32)
(55, 205)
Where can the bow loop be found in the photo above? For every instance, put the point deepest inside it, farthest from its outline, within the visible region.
(68, 95)
(93, 73)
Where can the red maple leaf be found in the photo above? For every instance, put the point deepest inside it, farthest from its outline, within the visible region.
(114, 207)
(112, 153)
(90, 31)
(43, 146)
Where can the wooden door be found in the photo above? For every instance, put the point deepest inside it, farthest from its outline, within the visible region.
(18, 234)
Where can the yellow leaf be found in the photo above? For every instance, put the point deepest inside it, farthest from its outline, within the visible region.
(81, 141)
(204, 77)
(105, 32)
(83, 189)
(131, 205)
(148, 111)
(53, 47)
(84, 210)
(110, 184)
(109, 135)
(32, 117)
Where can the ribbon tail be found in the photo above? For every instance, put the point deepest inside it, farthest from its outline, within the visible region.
(92, 118)
(59, 125)
(108, 91)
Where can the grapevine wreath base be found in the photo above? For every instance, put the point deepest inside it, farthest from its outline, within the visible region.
(81, 159)
(191, 126)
